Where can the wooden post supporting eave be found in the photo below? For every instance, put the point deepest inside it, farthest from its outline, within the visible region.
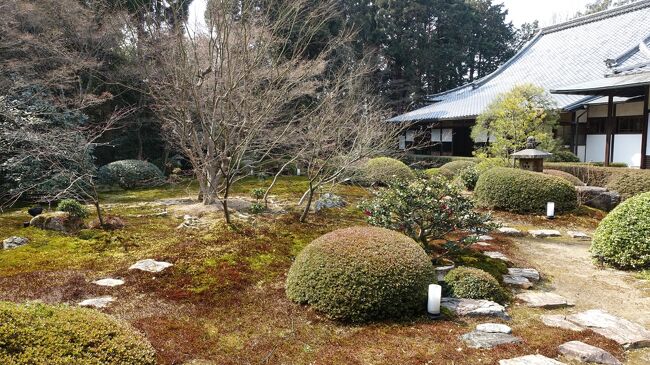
(644, 132)
(609, 124)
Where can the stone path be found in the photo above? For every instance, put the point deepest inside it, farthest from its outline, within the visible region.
(560, 321)
(150, 265)
(530, 360)
(474, 307)
(543, 300)
(586, 353)
(496, 255)
(543, 233)
(624, 332)
(110, 282)
(99, 302)
(488, 340)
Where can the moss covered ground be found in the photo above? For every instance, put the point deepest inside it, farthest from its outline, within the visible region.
(224, 300)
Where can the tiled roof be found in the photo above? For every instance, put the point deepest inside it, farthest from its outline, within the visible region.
(565, 54)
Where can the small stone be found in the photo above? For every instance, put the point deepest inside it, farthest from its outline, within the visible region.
(329, 201)
(587, 353)
(482, 244)
(530, 274)
(488, 340)
(578, 235)
(510, 231)
(474, 307)
(496, 255)
(494, 328)
(518, 281)
(531, 360)
(13, 242)
(99, 302)
(110, 282)
(150, 265)
(560, 321)
(624, 332)
(543, 233)
(485, 238)
(543, 300)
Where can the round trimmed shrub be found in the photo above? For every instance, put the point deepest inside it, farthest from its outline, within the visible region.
(453, 168)
(469, 176)
(58, 335)
(566, 176)
(72, 207)
(622, 238)
(472, 283)
(563, 156)
(129, 174)
(522, 191)
(360, 274)
(382, 170)
(630, 183)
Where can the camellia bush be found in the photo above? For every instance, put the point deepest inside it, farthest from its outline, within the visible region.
(623, 236)
(129, 174)
(361, 274)
(382, 170)
(73, 207)
(61, 335)
(454, 168)
(425, 209)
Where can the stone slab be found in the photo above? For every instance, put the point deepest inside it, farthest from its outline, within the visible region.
(510, 231)
(474, 307)
(494, 328)
(531, 360)
(110, 282)
(13, 242)
(485, 237)
(150, 265)
(530, 274)
(538, 299)
(99, 302)
(624, 332)
(543, 233)
(488, 340)
(497, 255)
(560, 321)
(586, 353)
(578, 235)
(518, 281)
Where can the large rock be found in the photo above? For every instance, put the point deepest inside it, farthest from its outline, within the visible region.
(530, 274)
(329, 201)
(474, 307)
(624, 332)
(150, 265)
(13, 242)
(494, 328)
(543, 300)
(543, 233)
(587, 353)
(531, 360)
(57, 221)
(560, 321)
(488, 340)
(599, 198)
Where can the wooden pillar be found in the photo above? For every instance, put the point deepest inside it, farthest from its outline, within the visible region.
(644, 132)
(609, 124)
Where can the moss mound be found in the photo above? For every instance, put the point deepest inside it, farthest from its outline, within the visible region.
(623, 236)
(453, 168)
(382, 170)
(472, 283)
(129, 174)
(58, 335)
(360, 274)
(566, 176)
(521, 191)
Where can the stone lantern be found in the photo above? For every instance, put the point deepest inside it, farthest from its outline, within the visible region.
(531, 159)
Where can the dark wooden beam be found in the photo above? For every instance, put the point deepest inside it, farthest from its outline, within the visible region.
(644, 132)
(608, 129)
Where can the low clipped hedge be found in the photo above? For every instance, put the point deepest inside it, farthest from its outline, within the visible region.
(628, 182)
(522, 191)
(622, 238)
(566, 176)
(453, 169)
(472, 283)
(360, 274)
(61, 335)
(563, 156)
(129, 174)
(424, 162)
(382, 170)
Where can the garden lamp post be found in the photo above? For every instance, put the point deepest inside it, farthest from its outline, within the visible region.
(531, 159)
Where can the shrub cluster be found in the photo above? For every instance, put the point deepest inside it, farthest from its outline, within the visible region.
(60, 335)
(73, 207)
(469, 176)
(566, 176)
(453, 169)
(472, 283)
(522, 191)
(129, 174)
(382, 170)
(360, 274)
(563, 156)
(622, 238)
(429, 161)
(627, 182)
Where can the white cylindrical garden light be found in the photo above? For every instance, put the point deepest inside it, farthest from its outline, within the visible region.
(550, 210)
(433, 302)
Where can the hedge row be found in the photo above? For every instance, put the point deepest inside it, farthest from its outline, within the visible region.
(428, 161)
(628, 182)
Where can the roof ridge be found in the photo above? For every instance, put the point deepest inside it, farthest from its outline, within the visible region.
(597, 16)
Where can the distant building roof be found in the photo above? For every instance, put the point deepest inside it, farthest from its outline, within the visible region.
(570, 53)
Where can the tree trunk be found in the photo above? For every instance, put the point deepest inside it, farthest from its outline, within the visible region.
(100, 218)
(303, 216)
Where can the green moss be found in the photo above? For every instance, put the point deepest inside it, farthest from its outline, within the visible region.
(496, 268)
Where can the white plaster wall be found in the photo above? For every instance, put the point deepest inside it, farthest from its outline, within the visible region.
(595, 149)
(582, 150)
(627, 149)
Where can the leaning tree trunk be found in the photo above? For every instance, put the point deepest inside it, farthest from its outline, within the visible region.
(310, 196)
(100, 218)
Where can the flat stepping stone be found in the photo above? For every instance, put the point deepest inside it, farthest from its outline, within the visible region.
(488, 340)
(510, 231)
(587, 353)
(530, 274)
(531, 360)
(13, 242)
(560, 321)
(485, 237)
(110, 282)
(624, 332)
(543, 233)
(518, 281)
(150, 265)
(578, 235)
(494, 328)
(482, 244)
(99, 302)
(496, 255)
(474, 307)
(538, 299)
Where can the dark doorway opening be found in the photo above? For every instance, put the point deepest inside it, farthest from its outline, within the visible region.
(463, 144)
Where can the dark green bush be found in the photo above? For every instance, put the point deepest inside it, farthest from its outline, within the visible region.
(61, 335)
(73, 207)
(622, 238)
(522, 191)
(360, 274)
(563, 156)
(453, 169)
(469, 176)
(382, 170)
(566, 176)
(472, 283)
(129, 174)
